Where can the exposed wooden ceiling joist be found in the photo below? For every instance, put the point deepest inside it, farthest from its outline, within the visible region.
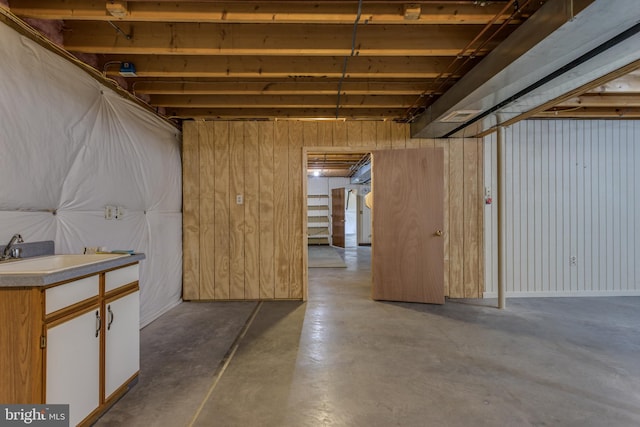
(285, 113)
(281, 101)
(317, 12)
(270, 40)
(285, 87)
(285, 59)
(285, 67)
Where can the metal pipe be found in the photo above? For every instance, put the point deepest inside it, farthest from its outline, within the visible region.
(502, 298)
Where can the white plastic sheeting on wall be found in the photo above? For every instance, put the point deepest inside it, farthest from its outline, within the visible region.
(69, 147)
(572, 202)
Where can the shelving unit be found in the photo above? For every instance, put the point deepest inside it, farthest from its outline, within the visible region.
(318, 219)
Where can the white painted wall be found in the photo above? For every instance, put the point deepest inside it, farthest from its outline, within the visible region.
(572, 190)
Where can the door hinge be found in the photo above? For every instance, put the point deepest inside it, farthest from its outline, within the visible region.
(43, 341)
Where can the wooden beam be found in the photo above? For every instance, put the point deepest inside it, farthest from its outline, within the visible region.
(265, 39)
(117, 8)
(264, 87)
(284, 113)
(284, 67)
(282, 101)
(601, 100)
(388, 13)
(592, 113)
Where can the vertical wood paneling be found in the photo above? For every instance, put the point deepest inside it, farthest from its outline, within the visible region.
(281, 209)
(471, 215)
(190, 213)
(369, 134)
(456, 217)
(295, 210)
(267, 246)
(571, 208)
(251, 211)
(255, 250)
(383, 135)
(207, 212)
(444, 144)
(310, 133)
(340, 137)
(236, 211)
(399, 135)
(325, 135)
(222, 226)
(354, 134)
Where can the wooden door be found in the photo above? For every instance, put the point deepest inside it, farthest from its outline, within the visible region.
(337, 217)
(408, 223)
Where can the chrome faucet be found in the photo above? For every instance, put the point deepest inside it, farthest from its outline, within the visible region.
(8, 252)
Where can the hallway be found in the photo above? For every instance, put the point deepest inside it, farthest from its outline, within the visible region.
(342, 359)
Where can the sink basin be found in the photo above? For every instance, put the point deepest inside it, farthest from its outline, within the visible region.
(53, 263)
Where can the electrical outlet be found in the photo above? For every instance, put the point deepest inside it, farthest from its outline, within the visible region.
(108, 212)
(239, 199)
(573, 260)
(119, 212)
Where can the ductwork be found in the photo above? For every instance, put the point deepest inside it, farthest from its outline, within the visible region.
(564, 45)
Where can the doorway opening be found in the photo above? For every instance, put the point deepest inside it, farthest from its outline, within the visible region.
(338, 222)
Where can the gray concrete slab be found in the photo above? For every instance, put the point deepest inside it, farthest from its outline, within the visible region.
(180, 353)
(342, 359)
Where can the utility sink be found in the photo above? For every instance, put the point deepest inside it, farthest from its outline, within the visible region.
(53, 263)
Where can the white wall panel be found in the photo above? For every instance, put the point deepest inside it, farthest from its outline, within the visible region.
(572, 200)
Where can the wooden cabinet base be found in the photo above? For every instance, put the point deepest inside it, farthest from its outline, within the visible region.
(117, 395)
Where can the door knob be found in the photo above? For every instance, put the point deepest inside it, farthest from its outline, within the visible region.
(438, 233)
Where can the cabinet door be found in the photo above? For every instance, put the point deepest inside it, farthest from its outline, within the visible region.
(73, 364)
(122, 346)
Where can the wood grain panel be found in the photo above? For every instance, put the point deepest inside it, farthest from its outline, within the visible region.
(295, 210)
(267, 246)
(222, 226)
(354, 134)
(251, 211)
(383, 135)
(190, 213)
(456, 218)
(325, 136)
(399, 135)
(407, 253)
(281, 208)
(236, 211)
(20, 316)
(207, 212)
(369, 134)
(274, 166)
(309, 134)
(471, 214)
(444, 144)
(340, 137)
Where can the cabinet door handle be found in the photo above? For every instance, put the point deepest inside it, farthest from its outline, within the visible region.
(111, 316)
(98, 323)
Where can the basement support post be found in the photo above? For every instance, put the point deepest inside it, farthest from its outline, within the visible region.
(502, 299)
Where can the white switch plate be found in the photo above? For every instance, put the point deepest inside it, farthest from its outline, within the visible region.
(239, 199)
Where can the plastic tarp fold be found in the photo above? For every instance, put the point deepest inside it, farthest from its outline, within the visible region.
(70, 146)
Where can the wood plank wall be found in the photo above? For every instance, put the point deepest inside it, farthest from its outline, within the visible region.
(255, 250)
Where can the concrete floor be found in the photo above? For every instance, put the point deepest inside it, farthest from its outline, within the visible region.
(343, 360)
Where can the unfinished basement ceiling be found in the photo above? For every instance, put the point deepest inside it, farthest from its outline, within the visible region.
(387, 60)
(338, 164)
(419, 62)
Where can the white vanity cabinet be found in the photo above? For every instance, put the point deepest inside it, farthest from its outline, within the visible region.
(78, 342)
(73, 358)
(122, 342)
